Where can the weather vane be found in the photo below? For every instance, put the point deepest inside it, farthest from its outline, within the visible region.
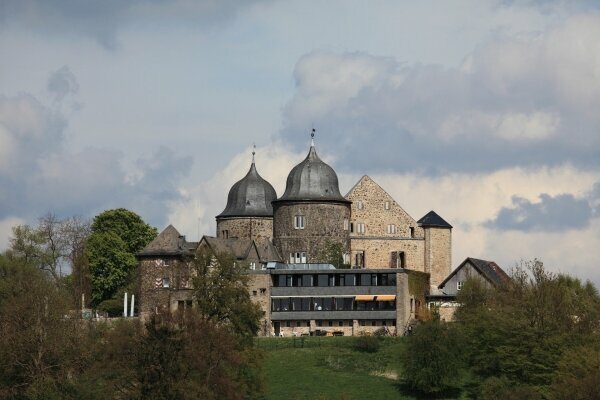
(253, 151)
(312, 137)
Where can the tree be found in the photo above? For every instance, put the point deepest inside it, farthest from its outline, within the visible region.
(221, 292)
(432, 358)
(111, 265)
(117, 235)
(53, 245)
(129, 226)
(39, 344)
(332, 253)
(515, 335)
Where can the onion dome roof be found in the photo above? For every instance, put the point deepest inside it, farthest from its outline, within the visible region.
(312, 179)
(250, 197)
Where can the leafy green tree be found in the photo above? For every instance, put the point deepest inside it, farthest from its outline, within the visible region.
(117, 235)
(221, 293)
(432, 358)
(111, 265)
(129, 226)
(578, 368)
(517, 333)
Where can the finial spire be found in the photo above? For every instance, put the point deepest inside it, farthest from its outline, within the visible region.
(253, 151)
(312, 138)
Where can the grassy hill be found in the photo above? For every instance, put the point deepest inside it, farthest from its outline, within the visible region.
(331, 368)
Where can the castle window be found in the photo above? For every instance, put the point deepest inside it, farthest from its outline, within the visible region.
(359, 259)
(387, 205)
(351, 227)
(166, 282)
(360, 227)
(299, 222)
(252, 265)
(225, 234)
(346, 223)
(459, 285)
(412, 232)
(360, 205)
(398, 259)
(391, 228)
(298, 257)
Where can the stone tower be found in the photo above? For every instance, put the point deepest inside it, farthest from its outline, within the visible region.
(249, 213)
(312, 214)
(438, 247)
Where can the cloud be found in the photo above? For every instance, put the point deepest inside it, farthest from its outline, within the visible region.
(39, 175)
(62, 83)
(102, 20)
(551, 213)
(528, 102)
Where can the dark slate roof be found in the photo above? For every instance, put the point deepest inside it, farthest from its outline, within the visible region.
(488, 269)
(267, 251)
(432, 219)
(168, 242)
(250, 197)
(241, 248)
(312, 179)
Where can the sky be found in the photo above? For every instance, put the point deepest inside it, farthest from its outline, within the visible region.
(486, 111)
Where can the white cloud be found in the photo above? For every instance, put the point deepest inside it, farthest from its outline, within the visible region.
(527, 101)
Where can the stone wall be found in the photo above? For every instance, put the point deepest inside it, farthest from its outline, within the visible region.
(378, 252)
(387, 228)
(375, 216)
(245, 227)
(259, 288)
(323, 224)
(438, 253)
(153, 296)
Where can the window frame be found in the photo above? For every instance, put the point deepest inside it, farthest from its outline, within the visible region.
(299, 221)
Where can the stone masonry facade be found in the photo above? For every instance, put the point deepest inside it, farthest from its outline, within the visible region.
(438, 253)
(245, 227)
(323, 224)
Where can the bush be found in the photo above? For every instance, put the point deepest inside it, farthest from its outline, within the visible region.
(113, 307)
(367, 344)
(432, 358)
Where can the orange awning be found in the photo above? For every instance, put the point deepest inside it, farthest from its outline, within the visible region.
(386, 297)
(362, 297)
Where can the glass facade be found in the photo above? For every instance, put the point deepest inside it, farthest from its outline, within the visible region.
(330, 280)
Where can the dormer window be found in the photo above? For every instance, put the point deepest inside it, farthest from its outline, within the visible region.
(299, 222)
(459, 285)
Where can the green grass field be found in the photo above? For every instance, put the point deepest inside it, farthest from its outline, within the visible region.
(330, 368)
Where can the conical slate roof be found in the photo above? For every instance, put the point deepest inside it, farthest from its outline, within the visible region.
(250, 197)
(312, 179)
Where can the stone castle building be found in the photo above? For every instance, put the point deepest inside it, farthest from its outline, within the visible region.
(287, 242)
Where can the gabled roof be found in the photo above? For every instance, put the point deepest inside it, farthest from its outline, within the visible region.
(168, 242)
(488, 269)
(241, 248)
(434, 220)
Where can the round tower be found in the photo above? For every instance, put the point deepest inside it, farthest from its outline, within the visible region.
(311, 218)
(249, 213)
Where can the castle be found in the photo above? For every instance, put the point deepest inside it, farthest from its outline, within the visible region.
(318, 260)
